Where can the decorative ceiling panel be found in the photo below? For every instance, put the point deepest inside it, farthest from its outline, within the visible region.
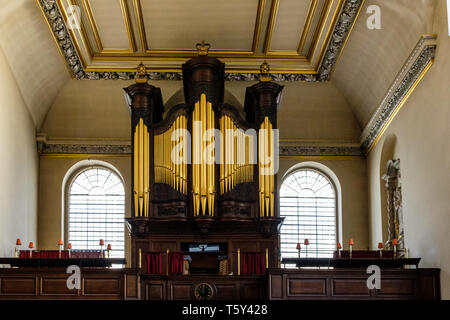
(108, 21)
(178, 24)
(288, 30)
(107, 39)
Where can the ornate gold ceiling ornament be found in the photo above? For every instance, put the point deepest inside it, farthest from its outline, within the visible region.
(265, 72)
(141, 73)
(203, 48)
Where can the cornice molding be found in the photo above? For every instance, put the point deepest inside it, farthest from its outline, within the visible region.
(406, 81)
(339, 37)
(84, 149)
(291, 150)
(302, 150)
(335, 45)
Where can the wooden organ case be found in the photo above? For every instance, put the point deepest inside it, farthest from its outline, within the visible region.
(202, 172)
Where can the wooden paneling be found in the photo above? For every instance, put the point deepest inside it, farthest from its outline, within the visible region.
(18, 286)
(155, 291)
(309, 287)
(396, 284)
(132, 286)
(350, 287)
(56, 286)
(102, 286)
(397, 287)
(276, 285)
(180, 291)
(181, 287)
(226, 291)
(37, 283)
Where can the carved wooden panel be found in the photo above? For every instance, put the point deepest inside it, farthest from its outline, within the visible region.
(18, 286)
(155, 290)
(276, 285)
(226, 291)
(349, 287)
(56, 286)
(132, 283)
(180, 291)
(396, 287)
(299, 287)
(101, 287)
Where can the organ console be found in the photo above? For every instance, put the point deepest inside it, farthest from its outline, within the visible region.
(204, 169)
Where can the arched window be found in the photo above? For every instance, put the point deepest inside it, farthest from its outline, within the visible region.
(96, 208)
(308, 204)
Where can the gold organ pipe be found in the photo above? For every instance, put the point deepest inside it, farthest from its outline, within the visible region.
(203, 186)
(136, 171)
(146, 171)
(222, 154)
(266, 181)
(210, 165)
(236, 166)
(239, 261)
(195, 166)
(141, 167)
(173, 173)
(203, 167)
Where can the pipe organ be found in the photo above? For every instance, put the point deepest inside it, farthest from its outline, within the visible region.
(204, 170)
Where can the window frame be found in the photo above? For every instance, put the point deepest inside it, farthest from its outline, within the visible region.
(337, 196)
(66, 198)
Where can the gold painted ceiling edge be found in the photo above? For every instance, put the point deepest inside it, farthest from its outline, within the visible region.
(70, 51)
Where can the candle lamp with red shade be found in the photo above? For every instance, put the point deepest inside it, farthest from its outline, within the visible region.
(351, 243)
(339, 248)
(17, 248)
(306, 245)
(108, 248)
(299, 248)
(31, 246)
(395, 244)
(60, 245)
(380, 247)
(101, 244)
(69, 248)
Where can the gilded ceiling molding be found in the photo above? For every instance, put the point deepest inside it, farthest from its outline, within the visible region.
(406, 81)
(56, 22)
(341, 32)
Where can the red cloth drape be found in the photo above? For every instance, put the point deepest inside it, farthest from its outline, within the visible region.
(253, 263)
(154, 264)
(176, 262)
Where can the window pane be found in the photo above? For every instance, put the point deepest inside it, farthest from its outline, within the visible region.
(308, 204)
(97, 211)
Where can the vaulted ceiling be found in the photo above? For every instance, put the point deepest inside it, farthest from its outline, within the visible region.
(290, 34)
